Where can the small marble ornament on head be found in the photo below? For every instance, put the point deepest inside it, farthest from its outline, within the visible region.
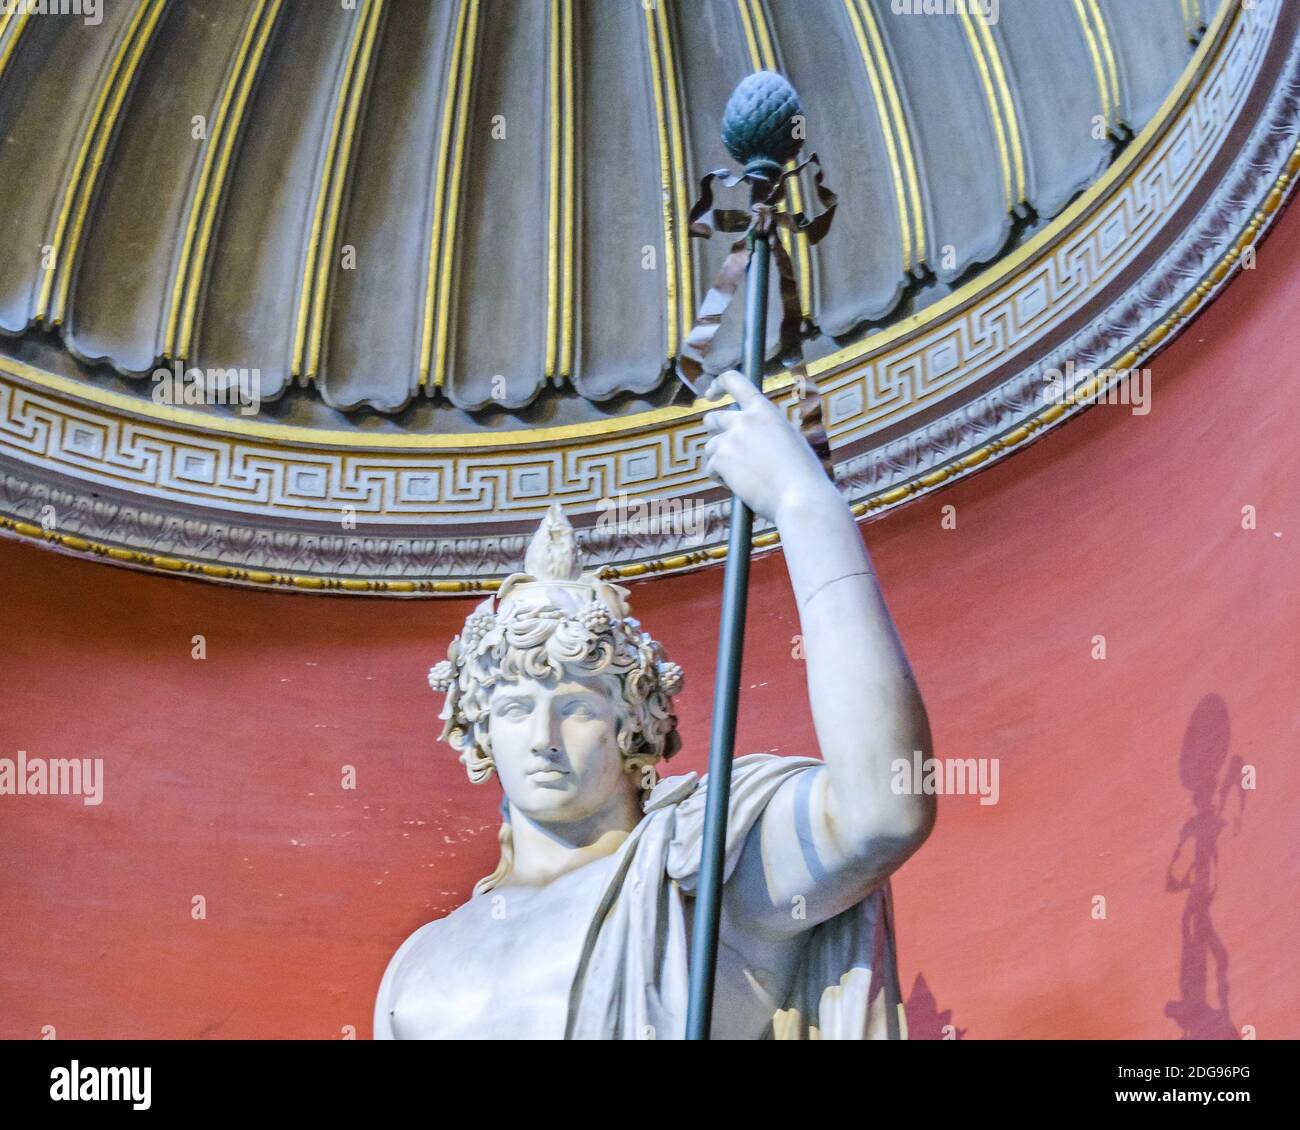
(552, 621)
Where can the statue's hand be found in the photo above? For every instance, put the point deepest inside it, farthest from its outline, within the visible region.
(755, 451)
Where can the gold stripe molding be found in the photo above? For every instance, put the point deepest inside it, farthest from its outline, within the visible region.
(1097, 37)
(12, 23)
(763, 57)
(561, 196)
(987, 54)
(1193, 18)
(679, 287)
(446, 197)
(894, 128)
(88, 161)
(331, 190)
(214, 168)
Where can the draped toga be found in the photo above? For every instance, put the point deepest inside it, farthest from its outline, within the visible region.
(631, 980)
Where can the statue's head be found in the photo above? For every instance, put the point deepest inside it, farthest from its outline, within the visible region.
(554, 686)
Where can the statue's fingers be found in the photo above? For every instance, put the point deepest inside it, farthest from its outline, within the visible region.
(718, 420)
(715, 457)
(711, 470)
(742, 392)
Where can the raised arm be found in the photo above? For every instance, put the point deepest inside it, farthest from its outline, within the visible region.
(832, 834)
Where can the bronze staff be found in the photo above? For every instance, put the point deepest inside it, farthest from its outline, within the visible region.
(762, 130)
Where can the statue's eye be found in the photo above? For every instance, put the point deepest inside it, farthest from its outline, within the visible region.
(513, 709)
(579, 710)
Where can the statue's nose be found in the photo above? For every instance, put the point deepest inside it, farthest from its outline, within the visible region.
(546, 742)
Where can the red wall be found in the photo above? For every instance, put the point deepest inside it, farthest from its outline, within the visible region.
(223, 775)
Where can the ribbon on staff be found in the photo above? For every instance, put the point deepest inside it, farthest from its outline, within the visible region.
(764, 219)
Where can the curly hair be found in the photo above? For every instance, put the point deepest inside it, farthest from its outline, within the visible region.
(536, 642)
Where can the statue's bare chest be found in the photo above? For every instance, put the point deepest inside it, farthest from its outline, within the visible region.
(501, 966)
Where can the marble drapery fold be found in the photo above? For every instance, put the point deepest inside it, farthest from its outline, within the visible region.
(631, 981)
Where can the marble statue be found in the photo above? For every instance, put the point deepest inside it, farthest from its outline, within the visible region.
(582, 929)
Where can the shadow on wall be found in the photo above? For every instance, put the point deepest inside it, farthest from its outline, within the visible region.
(924, 1020)
(1193, 869)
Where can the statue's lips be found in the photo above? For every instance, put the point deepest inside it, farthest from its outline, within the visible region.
(547, 777)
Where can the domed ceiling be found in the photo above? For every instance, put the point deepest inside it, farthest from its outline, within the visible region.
(444, 246)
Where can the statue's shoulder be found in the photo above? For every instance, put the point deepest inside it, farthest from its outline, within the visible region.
(748, 772)
(422, 945)
(417, 957)
(432, 934)
(420, 937)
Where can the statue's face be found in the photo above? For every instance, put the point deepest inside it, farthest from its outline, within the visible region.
(553, 744)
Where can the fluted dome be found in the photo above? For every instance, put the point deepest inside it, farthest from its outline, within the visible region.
(446, 245)
(483, 201)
